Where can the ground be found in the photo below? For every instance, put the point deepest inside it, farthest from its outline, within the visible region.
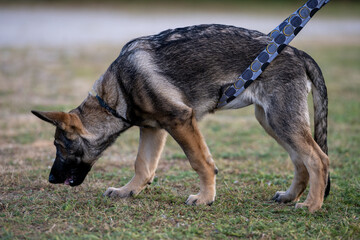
(252, 167)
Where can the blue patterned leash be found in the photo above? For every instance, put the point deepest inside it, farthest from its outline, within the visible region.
(281, 37)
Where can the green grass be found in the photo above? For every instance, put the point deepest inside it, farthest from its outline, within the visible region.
(252, 167)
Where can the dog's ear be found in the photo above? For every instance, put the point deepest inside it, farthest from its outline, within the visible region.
(69, 122)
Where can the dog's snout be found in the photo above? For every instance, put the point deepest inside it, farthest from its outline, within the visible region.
(52, 178)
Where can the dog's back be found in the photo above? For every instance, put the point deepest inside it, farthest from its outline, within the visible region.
(195, 64)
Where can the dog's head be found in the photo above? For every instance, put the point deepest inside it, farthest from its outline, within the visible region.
(72, 162)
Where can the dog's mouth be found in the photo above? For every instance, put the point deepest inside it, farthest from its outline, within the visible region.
(73, 180)
(69, 181)
(68, 175)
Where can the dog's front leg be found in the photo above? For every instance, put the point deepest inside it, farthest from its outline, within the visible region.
(152, 141)
(187, 134)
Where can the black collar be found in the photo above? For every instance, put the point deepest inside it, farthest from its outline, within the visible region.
(111, 110)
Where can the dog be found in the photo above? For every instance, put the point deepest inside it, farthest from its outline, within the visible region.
(166, 83)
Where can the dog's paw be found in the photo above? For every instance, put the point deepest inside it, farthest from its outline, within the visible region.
(200, 199)
(119, 192)
(283, 197)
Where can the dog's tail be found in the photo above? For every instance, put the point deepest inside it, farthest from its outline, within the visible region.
(320, 99)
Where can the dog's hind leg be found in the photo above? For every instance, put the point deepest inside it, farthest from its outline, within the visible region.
(187, 134)
(152, 141)
(301, 176)
(293, 132)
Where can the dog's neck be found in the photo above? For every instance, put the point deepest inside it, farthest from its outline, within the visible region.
(107, 88)
(95, 118)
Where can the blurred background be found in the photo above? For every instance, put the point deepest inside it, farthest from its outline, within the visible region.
(79, 23)
(51, 52)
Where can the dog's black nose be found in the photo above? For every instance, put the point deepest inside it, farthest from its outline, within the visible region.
(52, 179)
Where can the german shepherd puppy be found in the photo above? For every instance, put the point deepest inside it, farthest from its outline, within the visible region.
(166, 83)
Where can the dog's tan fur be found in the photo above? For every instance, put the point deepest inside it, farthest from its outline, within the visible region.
(188, 136)
(152, 141)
